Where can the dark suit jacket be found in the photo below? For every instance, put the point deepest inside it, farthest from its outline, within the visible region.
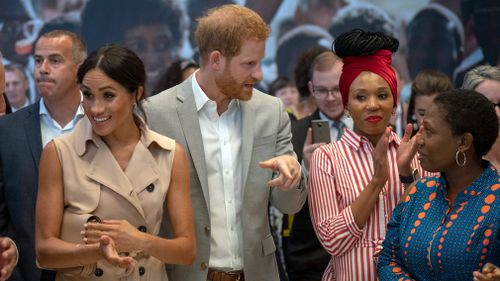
(20, 150)
(305, 258)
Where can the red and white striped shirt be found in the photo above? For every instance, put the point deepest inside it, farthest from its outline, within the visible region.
(339, 172)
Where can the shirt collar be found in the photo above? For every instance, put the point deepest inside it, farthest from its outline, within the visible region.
(356, 140)
(85, 135)
(26, 103)
(344, 119)
(44, 111)
(486, 178)
(200, 98)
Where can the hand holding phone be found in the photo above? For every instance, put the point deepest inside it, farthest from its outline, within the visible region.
(320, 131)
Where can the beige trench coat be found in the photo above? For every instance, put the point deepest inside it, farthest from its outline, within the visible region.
(94, 184)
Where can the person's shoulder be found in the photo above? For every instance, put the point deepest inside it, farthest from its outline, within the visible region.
(430, 181)
(263, 99)
(163, 99)
(13, 118)
(161, 140)
(492, 174)
(300, 126)
(428, 185)
(330, 151)
(306, 121)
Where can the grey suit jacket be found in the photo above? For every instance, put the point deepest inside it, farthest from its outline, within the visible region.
(20, 150)
(266, 134)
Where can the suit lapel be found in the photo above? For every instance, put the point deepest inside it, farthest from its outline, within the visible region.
(315, 115)
(33, 132)
(188, 117)
(247, 131)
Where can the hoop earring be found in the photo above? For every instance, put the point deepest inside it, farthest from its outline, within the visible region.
(457, 160)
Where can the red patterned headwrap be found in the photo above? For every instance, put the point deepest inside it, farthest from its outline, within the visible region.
(379, 63)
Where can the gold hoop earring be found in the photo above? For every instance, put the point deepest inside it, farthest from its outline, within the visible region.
(457, 158)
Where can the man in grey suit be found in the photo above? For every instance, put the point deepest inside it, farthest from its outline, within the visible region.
(23, 134)
(237, 139)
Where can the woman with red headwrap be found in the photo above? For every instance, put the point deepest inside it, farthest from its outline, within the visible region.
(354, 183)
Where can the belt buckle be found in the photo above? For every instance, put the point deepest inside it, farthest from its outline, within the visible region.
(237, 275)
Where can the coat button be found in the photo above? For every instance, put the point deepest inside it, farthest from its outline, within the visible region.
(204, 265)
(142, 270)
(98, 272)
(150, 188)
(142, 228)
(94, 219)
(207, 229)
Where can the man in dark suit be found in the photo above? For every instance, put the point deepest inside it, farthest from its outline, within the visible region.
(58, 55)
(8, 249)
(306, 260)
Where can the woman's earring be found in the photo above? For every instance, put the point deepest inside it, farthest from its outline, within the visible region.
(346, 112)
(457, 158)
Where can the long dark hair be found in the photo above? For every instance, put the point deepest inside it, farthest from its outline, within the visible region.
(120, 64)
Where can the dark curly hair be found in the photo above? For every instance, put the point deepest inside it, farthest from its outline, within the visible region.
(467, 111)
(358, 42)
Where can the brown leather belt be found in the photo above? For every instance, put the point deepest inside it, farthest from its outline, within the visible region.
(217, 275)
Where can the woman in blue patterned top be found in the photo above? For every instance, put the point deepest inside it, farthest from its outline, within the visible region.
(447, 227)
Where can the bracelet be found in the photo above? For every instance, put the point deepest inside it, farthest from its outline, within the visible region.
(409, 179)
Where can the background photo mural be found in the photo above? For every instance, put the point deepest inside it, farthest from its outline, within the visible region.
(443, 35)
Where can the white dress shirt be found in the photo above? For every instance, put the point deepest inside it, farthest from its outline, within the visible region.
(23, 106)
(50, 128)
(221, 137)
(333, 130)
(333, 133)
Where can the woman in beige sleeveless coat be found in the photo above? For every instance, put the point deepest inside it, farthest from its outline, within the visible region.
(102, 188)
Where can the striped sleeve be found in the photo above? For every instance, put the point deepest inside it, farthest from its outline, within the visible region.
(335, 227)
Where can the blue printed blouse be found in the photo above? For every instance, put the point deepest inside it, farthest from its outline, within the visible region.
(427, 239)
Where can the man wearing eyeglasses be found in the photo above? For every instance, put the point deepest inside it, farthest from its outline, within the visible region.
(304, 256)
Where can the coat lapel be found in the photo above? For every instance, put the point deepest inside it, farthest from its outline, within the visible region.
(105, 170)
(142, 169)
(247, 130)
(188, 117)
(33, 132)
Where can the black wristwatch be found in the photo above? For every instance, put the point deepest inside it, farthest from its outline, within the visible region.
(409, 179)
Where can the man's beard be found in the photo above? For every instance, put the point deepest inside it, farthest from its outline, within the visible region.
(231, 88)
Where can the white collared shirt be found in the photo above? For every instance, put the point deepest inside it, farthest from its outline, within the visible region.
(23, 106)
(50, 128)
(221, 137)
(333, 130)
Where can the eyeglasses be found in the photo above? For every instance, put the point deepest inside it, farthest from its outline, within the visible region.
(496, 104)
(324, 92)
